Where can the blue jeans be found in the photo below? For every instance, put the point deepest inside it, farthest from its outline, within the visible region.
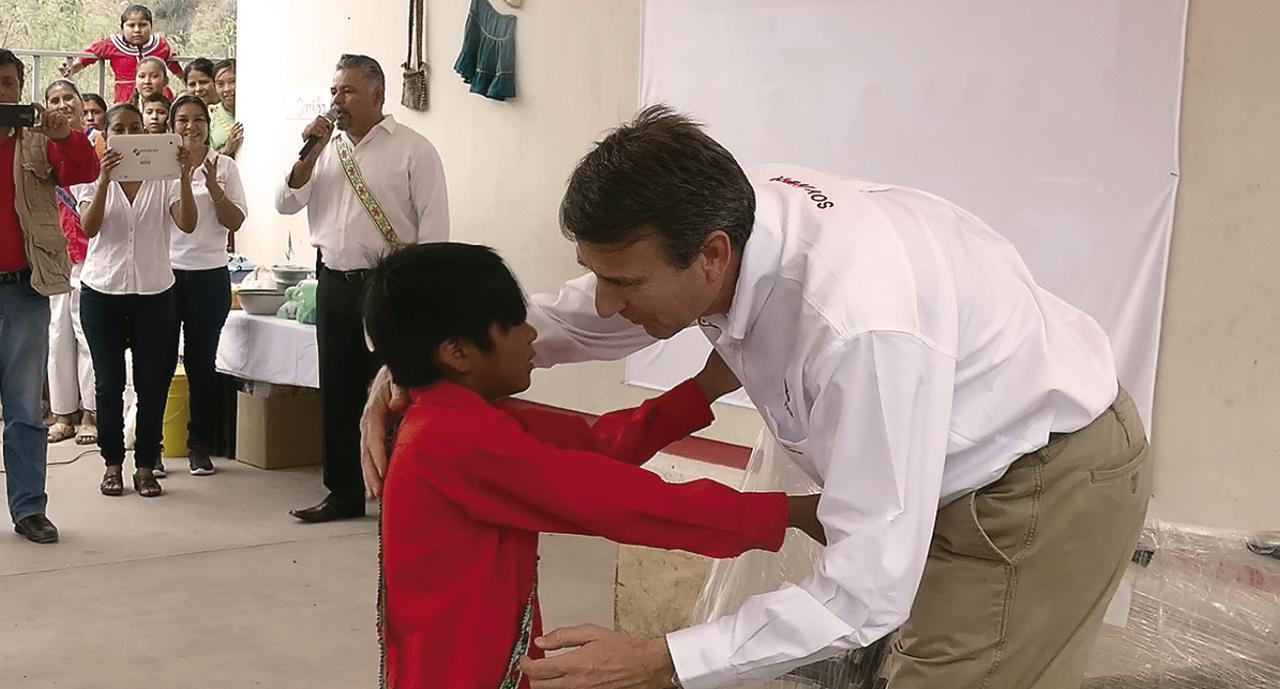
(24, 351)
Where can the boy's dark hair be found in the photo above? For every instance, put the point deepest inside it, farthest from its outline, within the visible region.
(659, 174)
(158, 97)
(188, 99)
(62, 82)
(426, 294)
(114, 111)
(8, 58)
(228, 63)
(102, 102)
(136, 9)
(201, 64)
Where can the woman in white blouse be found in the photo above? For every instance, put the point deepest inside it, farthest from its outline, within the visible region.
(127, 300)
(202, 291)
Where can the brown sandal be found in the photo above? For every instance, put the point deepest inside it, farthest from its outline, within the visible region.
(112, 483)
(60, 431)
(86, 434)
(146, 485)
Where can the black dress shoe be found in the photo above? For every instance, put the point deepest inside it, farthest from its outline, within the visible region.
(329, 510)
(37, 528)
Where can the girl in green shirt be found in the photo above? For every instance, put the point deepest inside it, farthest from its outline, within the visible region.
(225, 134)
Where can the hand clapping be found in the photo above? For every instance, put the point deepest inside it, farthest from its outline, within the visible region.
(211, 179)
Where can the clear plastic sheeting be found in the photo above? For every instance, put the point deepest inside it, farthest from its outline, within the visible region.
(1203, 613)
(731, 582)
(1199, 608)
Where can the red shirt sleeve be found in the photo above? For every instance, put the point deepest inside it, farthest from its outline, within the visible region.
(511, 479)
(633, 435)
(164, 51)
(100, 49)
(73, 159)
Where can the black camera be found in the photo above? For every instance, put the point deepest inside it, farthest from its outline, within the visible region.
(18, 115)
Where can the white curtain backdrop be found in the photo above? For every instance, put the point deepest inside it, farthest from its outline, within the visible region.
(1056, 122)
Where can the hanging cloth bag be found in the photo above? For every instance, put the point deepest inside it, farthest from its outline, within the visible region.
(415, 72)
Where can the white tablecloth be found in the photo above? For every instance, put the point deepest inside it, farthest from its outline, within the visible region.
(270, 349)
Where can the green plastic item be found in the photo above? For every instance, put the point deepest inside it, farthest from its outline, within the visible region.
(300, 302)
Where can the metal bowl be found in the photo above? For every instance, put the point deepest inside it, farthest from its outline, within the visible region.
(261, 302)
(288, 276)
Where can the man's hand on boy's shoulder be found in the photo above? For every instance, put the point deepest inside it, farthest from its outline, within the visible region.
(802, 514)
(386, 399)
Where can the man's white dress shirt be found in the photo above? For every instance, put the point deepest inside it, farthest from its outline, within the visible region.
(900, 350)
(404, 172)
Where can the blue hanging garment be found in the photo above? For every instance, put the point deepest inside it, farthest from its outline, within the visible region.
(488, 57)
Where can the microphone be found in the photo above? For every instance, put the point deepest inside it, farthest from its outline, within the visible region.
(313, 141)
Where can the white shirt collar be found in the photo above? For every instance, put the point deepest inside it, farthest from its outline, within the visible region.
(761, 263)
(387, 123)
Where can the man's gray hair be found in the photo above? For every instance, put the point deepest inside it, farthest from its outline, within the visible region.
(369, 66)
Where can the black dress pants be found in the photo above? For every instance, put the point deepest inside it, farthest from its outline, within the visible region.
(347, 368)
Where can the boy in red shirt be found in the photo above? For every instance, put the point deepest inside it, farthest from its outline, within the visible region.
(472, 480)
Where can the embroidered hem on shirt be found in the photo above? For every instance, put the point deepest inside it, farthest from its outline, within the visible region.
(512, 678)
(128, 48)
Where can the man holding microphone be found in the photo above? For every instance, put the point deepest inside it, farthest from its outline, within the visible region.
(372, 187)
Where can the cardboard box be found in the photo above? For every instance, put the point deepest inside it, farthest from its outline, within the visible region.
(280, 430)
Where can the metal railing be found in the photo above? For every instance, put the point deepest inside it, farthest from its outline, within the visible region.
(36, 83)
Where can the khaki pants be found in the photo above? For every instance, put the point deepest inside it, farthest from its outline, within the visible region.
(1020, 572)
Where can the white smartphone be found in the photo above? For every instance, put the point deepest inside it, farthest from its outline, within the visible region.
(146, 157)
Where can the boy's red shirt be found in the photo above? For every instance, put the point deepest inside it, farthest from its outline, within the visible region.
(470, 486)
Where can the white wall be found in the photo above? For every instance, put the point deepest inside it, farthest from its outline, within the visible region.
(1218, 386)
(507, 163)
(1217, 406)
